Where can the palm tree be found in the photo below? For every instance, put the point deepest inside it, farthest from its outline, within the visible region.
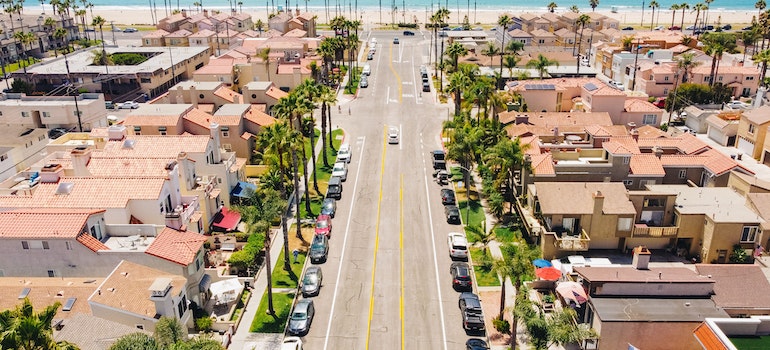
(541, 64)
(259, 26)
(24, 329)
(504, 269)
(673, 8)
(490, 51)
(240, 6)
(82, 14)
(274, 140)
(327, 98)
(762, 57)
(25, 38)
(312, 92)
(697, 9)
(683, 6)
(506, 157)
(552, 7)
(510, 63)
(454, 51)
(594, 4)
(99, 21)
(686, 62)
(653, 5)
(503, 21)
(581, 21)
(59, 34)
(478, 234)
(264, 54)
(749, 38)
(457, 83)
(574, 9)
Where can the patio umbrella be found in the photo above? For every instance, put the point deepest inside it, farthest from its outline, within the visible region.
(572, 291)
(548, 273)
(541, 263)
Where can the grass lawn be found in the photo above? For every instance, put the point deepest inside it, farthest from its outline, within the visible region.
(288, 279)
(309, 147)
(476, 215)
(484, 277)
(315, 202)
(506, 234)
(264, 323)
(323, 172)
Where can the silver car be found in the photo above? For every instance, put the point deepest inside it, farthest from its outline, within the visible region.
(340, 169)
(311, 283)
(302, 317)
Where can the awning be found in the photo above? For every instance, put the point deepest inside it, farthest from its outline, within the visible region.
(243, 189)
(572, 291)
(226, 291)
(226, 219)
(205, 283)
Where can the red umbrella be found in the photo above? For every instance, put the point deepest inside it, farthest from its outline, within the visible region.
(548, 273)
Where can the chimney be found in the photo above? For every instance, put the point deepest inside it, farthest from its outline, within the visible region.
(658, 151)
(630, 126)
(172, 169)
(80, 158)
(522, 119)
(193, 96)
(51, 173)
(184, 13)
(237, 99)
(233, 12)
(598, 202)
(297, 13)
(217, 156)
(635, 134)
(116, 132)
(206, 13)
(555, 131)
(641, 260)
(186, 170)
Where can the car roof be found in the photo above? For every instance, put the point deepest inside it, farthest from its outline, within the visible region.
(318, 239)
(303, 305)
(313, 269)
(344, 146)
(323, 217)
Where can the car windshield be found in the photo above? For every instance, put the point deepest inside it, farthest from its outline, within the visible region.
(310, 279)
(458, 246)
(299, 316)
(338, 168)
(322, 224)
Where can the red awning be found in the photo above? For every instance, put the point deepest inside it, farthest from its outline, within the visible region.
(227, 219)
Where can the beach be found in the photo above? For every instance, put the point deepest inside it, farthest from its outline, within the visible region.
(371, 16)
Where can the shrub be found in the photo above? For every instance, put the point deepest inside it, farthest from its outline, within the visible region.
(502, 325)
(203, 324)
(128, 59)
(241, 236)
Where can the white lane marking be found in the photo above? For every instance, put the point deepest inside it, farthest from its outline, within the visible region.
(417, 100)
(344, 244)
(433, 243)
(387, 96)
(407, 83)
(400, 132)
(407, 95)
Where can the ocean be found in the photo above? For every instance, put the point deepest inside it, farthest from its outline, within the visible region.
(413, 5)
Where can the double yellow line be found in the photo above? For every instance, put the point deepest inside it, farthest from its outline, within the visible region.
(377, 244)
(398, 77)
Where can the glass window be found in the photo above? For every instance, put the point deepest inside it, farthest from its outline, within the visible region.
(749, 234)
(649, 119)
(624, 224)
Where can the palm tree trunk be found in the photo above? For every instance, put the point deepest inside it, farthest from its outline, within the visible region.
(713, 69)
(305, 179)
(502, 299)
(312, 154)
(673, 17)
(331, 143)
(270, 308)
(681, 26)
(324, 106)
(287, 266)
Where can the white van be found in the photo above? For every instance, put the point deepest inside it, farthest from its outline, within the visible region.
(367, 70)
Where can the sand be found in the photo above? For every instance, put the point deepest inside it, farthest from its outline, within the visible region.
(734, 17)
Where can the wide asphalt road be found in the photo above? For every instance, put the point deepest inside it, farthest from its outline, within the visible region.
(386, 283)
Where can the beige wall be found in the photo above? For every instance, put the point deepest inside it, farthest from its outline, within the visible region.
(722, 236)
(613, 105)
(758, 136)
(92, 111)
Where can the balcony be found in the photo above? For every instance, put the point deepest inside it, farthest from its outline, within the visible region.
(642, 230)
(186, 210)
(579, 242)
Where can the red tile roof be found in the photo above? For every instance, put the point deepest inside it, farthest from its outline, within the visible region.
(226, 94)
(635, 105)
(44, 223)
(646, 165)
(258, 117)
(621, 145)
(708, 339)
(87, 193)
(180, 247)
(92, 243)
(685, 143)
(542, 164)
(713, 160)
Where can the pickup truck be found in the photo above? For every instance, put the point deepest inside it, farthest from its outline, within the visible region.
(439, 160)
(473, 320)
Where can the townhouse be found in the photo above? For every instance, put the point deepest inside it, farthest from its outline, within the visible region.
(50, 112)
(19, 147)
(45, 41)
(752, 132)
(743, 81)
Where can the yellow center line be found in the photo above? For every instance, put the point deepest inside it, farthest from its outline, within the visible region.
(376, 239)
(398, 77)
(401, 249)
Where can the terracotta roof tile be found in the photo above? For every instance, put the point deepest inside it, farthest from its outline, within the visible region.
(706, 69)
(155, 34)
(92, 243)
(621, 145)
(759, 115)
(276, 93)
(648, 131)
(214, 69)
(635, 105)
(180, 247)
(247, 135)
(150, 120)
(518, 33)
(203, 33)
(129, 167)
(646, 165)
(258, 117)
(685, 143)
(182, 33)
(542, 164)
(86, 193)
(44, 223)
(227, 120)
(158, 146)
(226, 94)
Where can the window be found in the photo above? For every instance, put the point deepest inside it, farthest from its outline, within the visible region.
(24, 114)
(147, 42)
(46, 115)
(626, 160)
(749, 234)
(752, 128)
(541, 41)
(749, 78)
(51, 273)
(653, 202)
(628, 183)
(720, 78)
(139, 326)
(3, 157)
(45, 245)
(649, 119)
(665, 91)
(682, 173)
(145, 80)
(624, 224)
(225, 131)
(68, 245)
(24, 245)
(665, 78)
(137, 130)
(201, 96)
(162, 130)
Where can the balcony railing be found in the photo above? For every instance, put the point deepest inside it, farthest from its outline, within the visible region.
(579, 242)
(642, 230)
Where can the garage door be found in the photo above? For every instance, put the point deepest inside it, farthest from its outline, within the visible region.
(746, 146)
(716, 135)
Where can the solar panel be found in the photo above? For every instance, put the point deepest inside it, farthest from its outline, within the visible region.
(548, 87)
(24, 293)
(68, 304)
(590, 87)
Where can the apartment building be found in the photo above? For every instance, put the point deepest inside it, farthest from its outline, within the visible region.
(19, 147)
(45, 41)
(743, 81)
(285, 22)
(48, 112)
(752, 132)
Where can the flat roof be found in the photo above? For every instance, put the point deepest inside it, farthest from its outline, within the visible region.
(82, 62)
(199, 85)
(232, 109)
(722, 204)
(629, 274)
(655, 309)
(164, 109)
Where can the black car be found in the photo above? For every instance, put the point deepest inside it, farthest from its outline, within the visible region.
(447, 196)
(439, 160)
(628, 28)
(408, 33)
(56, 133)
(476, 344)
(319, 249)
(461, 277)
(727, 27)
(425, 86)
(469, 301)
(329, 207)
(452, 213)
(748, 28)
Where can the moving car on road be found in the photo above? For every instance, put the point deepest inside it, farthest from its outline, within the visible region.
(311, 283)
(395, 41)
(319, 249)
(458, 246)
(408, 33)
(393, 136)
(302, 317)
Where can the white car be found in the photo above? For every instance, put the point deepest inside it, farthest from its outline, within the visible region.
(128, 105)
(393, 136)
(737, 105)
(367, 70)
(344, 153)
(340, 170)
(458, 245)
(291, 343)
(616, 84)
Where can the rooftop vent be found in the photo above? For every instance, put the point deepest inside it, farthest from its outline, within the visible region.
(65, 188)
(129, 144)
(24, 293)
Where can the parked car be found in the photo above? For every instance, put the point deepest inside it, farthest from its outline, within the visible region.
(301, 317)
(447, 196)
(109, 105)
(628, 28)
(747, 28)
(473, 321)
(319, 249)
(128, 105)
(323, 225)
(370, 56)
(56, 133)
(395, 41)
(476, 344)
(425, 86)
(659, 28)
(737, 105)
(461, 276)
(727, 27)
(340, 170)
(367, 70)
(660, 102)
(469, 301)
(364, 83)
(674, 28)
(617, 85)
(329, 207)
(408, 33)
(291, 343)
(311, 283)
(344, 153)
(439, 159)
(334, 188)
(393, 137)
(452, 213)
(130, 30)
(458, 246)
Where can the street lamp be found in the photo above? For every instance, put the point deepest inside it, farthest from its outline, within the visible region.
(467, 194)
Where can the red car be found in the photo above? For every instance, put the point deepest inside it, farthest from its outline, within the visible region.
(660, 102)
(323, 225)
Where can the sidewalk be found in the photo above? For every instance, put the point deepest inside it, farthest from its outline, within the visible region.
(243, 338)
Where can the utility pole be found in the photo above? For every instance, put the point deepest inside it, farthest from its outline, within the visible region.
(75, 96)
(636, 67)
